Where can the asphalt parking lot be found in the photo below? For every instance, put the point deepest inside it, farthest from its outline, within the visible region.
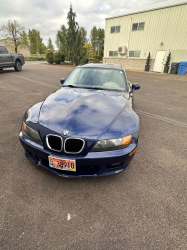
(145, 207)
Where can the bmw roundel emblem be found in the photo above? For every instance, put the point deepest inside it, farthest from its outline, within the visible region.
(65, 132)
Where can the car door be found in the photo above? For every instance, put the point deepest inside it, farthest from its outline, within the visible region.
(6, 58)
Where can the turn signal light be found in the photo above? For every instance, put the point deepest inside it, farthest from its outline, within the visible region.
(25, 127)
(126, 140)
(133, 152)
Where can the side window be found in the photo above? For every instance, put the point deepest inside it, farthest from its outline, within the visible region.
(138, 26)
(112, 29)
(115, 29)
(3, 50)
(118, 29)
(113, 53)
(135, 26)
(141, 26)
(134, 53)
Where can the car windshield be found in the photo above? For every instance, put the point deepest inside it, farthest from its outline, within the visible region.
(97, 78)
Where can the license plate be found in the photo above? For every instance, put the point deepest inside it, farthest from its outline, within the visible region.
(62, 164)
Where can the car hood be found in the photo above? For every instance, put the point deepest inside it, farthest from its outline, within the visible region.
(86, 113)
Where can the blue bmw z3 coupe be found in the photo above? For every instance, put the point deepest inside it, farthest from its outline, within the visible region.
(87, 127)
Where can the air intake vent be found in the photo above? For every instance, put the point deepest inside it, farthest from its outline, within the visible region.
(54, 142)
(73, 145)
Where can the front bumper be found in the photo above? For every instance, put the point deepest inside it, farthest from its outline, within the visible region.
(90, 165)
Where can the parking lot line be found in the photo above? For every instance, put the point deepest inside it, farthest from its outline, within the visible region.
(162, 118)
(30, 80)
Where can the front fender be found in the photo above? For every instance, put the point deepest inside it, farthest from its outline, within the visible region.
(125, 124)
(32, 115)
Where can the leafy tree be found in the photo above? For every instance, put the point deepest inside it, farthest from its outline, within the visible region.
(97, 40)
(50, 45)
(61, 39)
(93, 37)
(42, 49)
(15, 34)
(84, 35)
(101, 36)
(24, 40)
(89, 49)
(80, 51)
(35, 42)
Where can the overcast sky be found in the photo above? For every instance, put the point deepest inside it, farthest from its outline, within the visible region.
(48, 15)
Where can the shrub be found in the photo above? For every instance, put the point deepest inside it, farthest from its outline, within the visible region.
(58, 57)
(95, 59)
(148, 59)
(98, 57)
(167, 63)
(84, 60)
(35, 59)
(49, 57)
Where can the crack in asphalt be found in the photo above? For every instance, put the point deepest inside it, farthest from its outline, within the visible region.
(162, 118)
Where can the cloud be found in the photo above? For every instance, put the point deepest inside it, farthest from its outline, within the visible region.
(47, 16)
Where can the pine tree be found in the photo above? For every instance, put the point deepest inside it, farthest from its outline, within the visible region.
(71, 40)
(72, 32)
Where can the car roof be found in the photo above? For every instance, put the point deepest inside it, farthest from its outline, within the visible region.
(101, 65)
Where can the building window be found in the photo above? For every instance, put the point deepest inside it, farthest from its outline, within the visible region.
(138, 26)
(115, 29)
(113, 53)
(134, 53)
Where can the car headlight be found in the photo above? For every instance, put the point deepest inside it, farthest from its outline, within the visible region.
(112, 144)
(31, 133)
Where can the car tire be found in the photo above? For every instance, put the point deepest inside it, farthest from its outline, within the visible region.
(18, 66)
(1, 69)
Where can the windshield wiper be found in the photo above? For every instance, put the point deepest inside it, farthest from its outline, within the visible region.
(70, 86)
(82, 87)
(98, 88)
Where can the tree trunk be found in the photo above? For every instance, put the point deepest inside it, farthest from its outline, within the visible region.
(16, 48)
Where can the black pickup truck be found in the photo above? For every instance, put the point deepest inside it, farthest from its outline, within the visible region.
(8, 59)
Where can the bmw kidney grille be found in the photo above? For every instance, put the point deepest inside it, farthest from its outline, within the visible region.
(54, 142)
(71, 145)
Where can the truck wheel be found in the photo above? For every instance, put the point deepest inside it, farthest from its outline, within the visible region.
(18, 66)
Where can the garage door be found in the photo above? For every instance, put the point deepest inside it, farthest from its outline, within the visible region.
(159, 61)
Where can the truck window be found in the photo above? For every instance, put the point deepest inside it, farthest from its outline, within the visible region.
(3, 50)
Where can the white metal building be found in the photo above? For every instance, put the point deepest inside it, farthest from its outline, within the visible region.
(157, 28)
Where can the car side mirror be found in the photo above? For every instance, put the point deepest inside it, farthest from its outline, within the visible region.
(135, 86)
(62, 80)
